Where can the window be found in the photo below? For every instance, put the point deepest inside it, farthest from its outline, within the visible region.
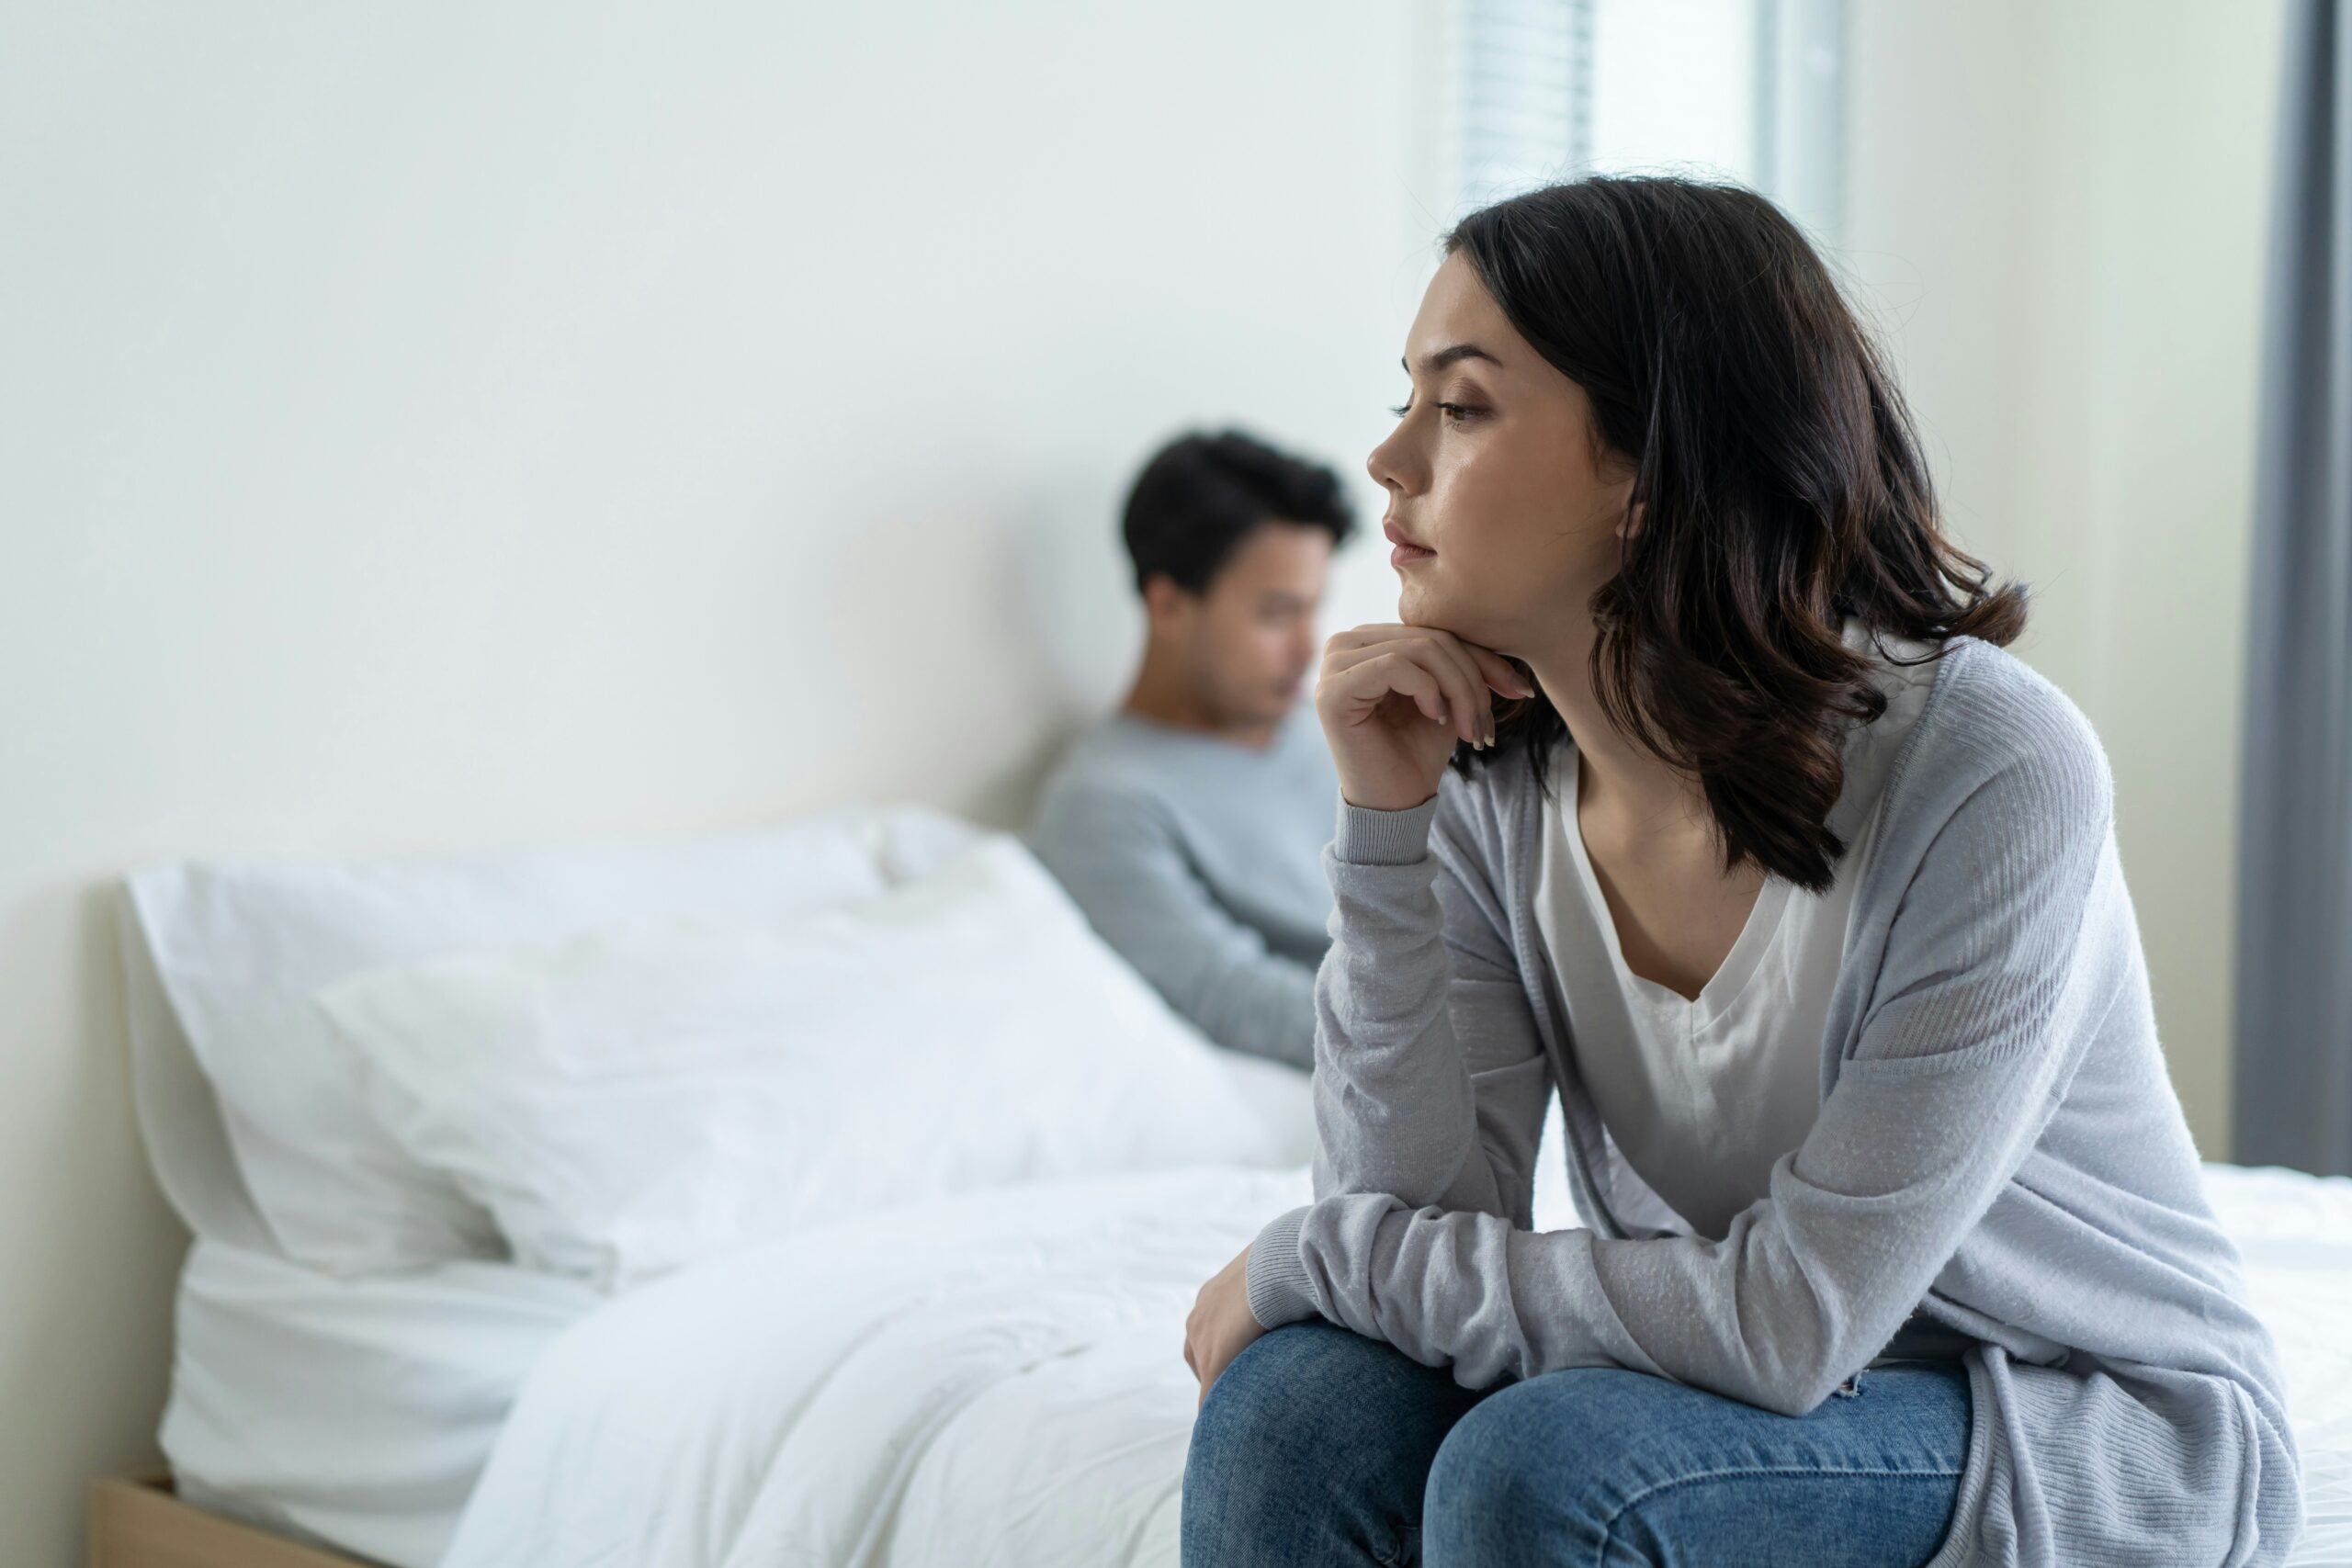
(1749, 90)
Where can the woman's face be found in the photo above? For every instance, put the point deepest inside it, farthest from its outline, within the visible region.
(1496, 471)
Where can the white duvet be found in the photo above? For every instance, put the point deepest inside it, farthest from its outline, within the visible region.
(998, 1379)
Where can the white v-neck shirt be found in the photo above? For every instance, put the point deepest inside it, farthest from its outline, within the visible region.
(1702, 1095)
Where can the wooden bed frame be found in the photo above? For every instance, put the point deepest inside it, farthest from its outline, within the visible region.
(140, 1522)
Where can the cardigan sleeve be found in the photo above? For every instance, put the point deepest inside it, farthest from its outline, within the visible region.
(1440, 1101)
(1988, 988)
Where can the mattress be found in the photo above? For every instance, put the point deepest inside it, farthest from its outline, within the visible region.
(997, 1379)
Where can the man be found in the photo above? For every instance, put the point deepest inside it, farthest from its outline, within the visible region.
(1190, 825)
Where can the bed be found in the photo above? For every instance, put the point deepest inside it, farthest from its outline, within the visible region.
(986, 1376)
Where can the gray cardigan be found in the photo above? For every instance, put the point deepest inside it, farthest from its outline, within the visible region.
(1998, 1152)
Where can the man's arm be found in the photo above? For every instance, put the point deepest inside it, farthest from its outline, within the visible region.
(1118, 857)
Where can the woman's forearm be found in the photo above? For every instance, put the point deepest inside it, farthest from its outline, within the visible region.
(1431, 1081)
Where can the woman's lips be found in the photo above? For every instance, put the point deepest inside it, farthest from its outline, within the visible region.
(1406, 552)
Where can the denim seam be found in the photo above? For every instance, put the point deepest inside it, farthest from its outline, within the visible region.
(1405, 1552)
(1609, 1531)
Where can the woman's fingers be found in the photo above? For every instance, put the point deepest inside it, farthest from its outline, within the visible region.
(1475, 692)
(1500, 673)
(1486, 667)
(1373, 679)
(1460, 685)
(1493, 668)
(1467, 709)
(1466, 672)
(1439, 692)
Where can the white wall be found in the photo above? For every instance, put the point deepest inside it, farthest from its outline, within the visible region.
(2060, 212)
(447, 425)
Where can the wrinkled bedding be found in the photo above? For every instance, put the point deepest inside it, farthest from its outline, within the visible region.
(998, 1379)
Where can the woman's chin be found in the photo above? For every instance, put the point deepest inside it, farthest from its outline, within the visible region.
(1418, 606)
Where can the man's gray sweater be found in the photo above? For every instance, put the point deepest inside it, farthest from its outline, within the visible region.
(1201, 861)
(1998, 1151)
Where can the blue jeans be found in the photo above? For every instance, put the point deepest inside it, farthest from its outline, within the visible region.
(1319, 1448)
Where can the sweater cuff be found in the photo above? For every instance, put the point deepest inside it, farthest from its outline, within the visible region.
(1366, 837)
(1275, 1276)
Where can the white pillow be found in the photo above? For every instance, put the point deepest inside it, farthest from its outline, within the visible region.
(631, 1100)
(238, 948)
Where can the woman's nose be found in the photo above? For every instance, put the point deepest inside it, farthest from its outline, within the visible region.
(1391, 464)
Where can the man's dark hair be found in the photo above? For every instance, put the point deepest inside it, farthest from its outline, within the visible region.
(1783, 486)
(1202, 494)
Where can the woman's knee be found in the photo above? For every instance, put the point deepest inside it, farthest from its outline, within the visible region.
(1264, 1399)
(1602, 1464)
(1278, 1407)
(1526, 1474)
(1313, 1445)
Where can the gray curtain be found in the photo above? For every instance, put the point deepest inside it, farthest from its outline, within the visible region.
(2294, 987)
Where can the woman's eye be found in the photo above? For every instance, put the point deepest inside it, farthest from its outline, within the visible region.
(1453, 414)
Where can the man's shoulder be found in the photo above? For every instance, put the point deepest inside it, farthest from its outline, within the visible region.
(1102, 779)
(1106, 755)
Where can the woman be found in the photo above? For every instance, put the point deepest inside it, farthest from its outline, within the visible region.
(1802, 896)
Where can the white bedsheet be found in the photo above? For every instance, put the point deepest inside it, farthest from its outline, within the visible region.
(356, 1413)
(359, 1412)
(2295, 1234)
(999, 1379)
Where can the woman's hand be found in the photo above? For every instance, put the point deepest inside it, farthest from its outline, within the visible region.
(1221, 1325)
(1394, 699)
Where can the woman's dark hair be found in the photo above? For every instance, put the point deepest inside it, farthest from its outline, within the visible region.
(1782, 489)
(1201, 495)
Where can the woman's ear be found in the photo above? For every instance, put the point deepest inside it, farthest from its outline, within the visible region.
(1630, 525)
